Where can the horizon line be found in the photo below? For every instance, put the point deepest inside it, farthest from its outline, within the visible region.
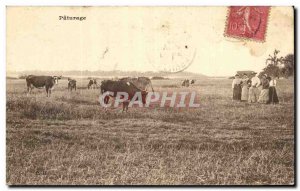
(129, 71)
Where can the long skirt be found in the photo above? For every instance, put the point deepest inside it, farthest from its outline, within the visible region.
(244, 93)
(264, 96)
(273, 98)
(253, 94)
(237, 92)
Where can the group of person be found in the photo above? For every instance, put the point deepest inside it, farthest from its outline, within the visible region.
(247, 88)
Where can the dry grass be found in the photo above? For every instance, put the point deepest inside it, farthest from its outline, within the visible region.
(69, 139)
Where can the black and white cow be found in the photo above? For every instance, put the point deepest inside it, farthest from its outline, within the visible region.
(40, 82)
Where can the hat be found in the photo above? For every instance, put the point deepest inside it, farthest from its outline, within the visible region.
(237, 75)
(254, 72)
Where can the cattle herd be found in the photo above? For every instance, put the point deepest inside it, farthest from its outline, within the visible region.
(187, 83)
(128, 85)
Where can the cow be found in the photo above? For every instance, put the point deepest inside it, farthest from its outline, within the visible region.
(183, 83)
(40, 82)
(186, 83)
(142, 83)
(121, 86)
(71, 84)
(92, 84)
(193, 82)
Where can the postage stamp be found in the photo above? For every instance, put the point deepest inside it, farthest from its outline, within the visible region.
(247, 22)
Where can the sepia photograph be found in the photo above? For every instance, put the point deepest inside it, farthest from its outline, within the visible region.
(152, 96)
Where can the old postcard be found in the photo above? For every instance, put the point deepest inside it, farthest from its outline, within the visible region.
(150, 95)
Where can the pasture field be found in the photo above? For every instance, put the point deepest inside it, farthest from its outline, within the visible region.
(70, 139)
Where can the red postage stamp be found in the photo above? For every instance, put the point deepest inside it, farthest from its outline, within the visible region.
(247, 22)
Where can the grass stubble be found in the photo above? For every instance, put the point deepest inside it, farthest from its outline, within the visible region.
(68, 139)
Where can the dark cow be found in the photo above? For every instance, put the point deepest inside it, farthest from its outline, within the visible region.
(71, 84)
(122, 86)
(183, 83)
(92, 84)
(141, 82)
(40, 82)
(193, 81)
(186, 83)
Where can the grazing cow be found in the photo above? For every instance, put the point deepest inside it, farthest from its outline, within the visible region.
(95, 83)
(121, 86)
(141, 82)
(92, 84)
(186, 83)
(40, 82)
(183, 83)
(71, 84)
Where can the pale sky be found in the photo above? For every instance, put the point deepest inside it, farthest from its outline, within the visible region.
(138, 39)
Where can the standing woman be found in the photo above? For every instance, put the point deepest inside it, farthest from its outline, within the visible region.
(236, 87)
(273, 98)
(264, 94)
(245, 85)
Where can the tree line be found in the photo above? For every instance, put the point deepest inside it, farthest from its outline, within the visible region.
(279, 66)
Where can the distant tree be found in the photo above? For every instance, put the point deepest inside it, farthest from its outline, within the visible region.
(22, 76)
(158, 78)
(275, 60)
(288, 69)
(271, 70)
(273, 63)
